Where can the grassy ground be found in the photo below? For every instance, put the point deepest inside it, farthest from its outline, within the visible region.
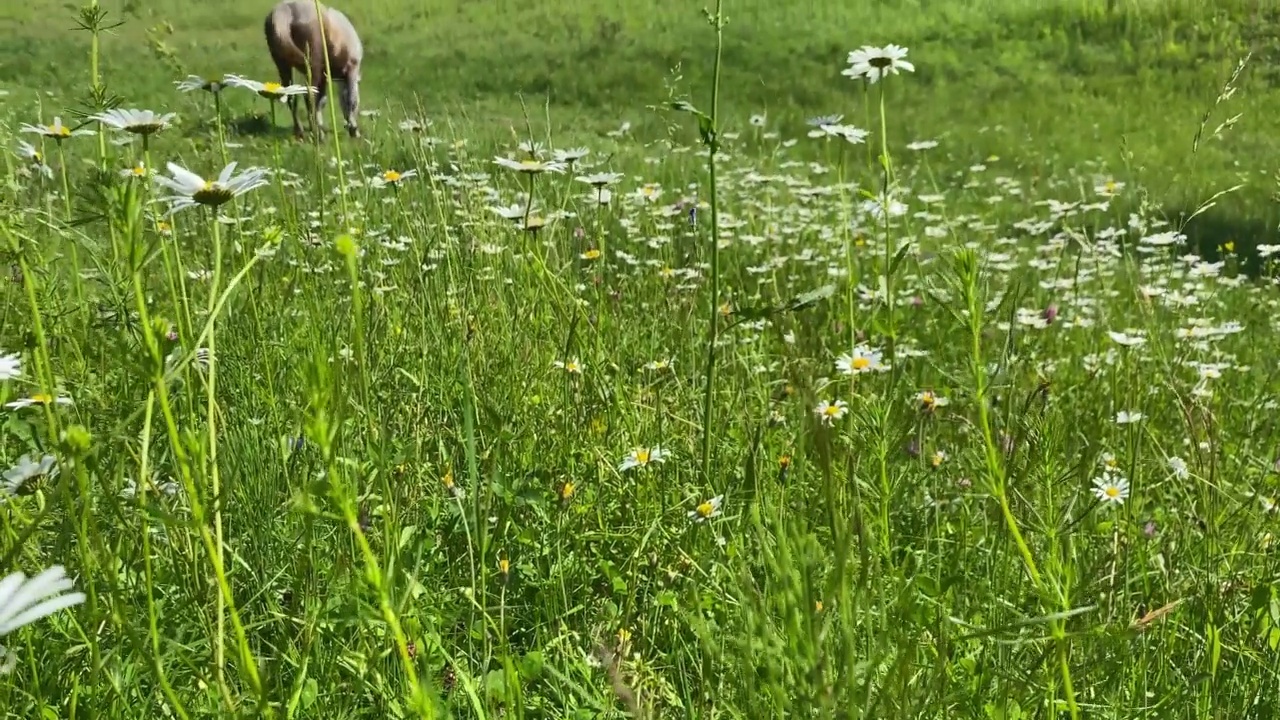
(342, 449)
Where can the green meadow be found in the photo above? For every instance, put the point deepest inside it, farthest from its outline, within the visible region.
(643, 360)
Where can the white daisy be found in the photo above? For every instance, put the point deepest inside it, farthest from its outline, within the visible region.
(24, 601)
(863, 360)
(195, 82)
(10, 367)
(642, 457)
(829, 412)
(57, 130)
(873, 63)
(37, 399)
(27, 469)
(190, 189)
(570, 155)
(529, 165)
(269, 90)
(1111, 488)
(138, 122)
(706, 509)
(393, 177)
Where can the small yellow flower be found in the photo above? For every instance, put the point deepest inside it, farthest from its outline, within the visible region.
(504, 566)
(707, 509)
(817, 606)
(391, 176)
(592, 254)
(565, 491)
(937, 458)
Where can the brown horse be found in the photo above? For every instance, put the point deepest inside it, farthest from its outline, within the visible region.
(294, 38)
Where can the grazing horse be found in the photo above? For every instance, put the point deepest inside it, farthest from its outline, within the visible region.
(294, 38)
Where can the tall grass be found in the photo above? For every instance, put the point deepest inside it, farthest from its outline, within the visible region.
(790, 418)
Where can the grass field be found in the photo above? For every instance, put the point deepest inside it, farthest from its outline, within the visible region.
(962, 405)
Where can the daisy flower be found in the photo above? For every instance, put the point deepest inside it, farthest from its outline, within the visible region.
(414, 126)
(863, 359)
(573, 366)
(57, 130)
(599, 180)
(195, 82)
(137, 171)
(642, 457)
(37, 399)
(529, 165)
(873, 63)
(138, 122)
(930, 401)
(27, 469)
(24, 601)
(269, 90)
(190, 189)
(1127, 339)
(846, 132)
(570, 155)
(829, 412)
(393, 177)
(706, 509)
(1111, 488)
(10, 367)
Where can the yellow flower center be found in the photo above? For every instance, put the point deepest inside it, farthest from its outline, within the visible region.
(567, 490)
(42, 398)
(642, 457)
(861, 363)
(391, 176)
(139, 171)
(1110, 186)
(529, 163)
(60, 130)
(572, 367)
(705, 509)
(649, 190)
(666, 272)
(591, 254)
(832, 410)
(272, 87)
(504, 566)
(1112, 491)
(448, 479)
(928, 398)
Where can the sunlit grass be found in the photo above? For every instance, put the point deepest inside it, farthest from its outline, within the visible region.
(751, 390)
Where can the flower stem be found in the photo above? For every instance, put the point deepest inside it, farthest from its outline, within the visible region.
(713, 318)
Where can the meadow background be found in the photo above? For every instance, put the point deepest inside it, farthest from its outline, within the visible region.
(345, 449)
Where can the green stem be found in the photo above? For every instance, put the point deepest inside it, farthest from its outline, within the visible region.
(713, 319)
(212, 421)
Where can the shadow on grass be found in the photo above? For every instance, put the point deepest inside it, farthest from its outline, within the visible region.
(1213, 232)
(258, 125)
